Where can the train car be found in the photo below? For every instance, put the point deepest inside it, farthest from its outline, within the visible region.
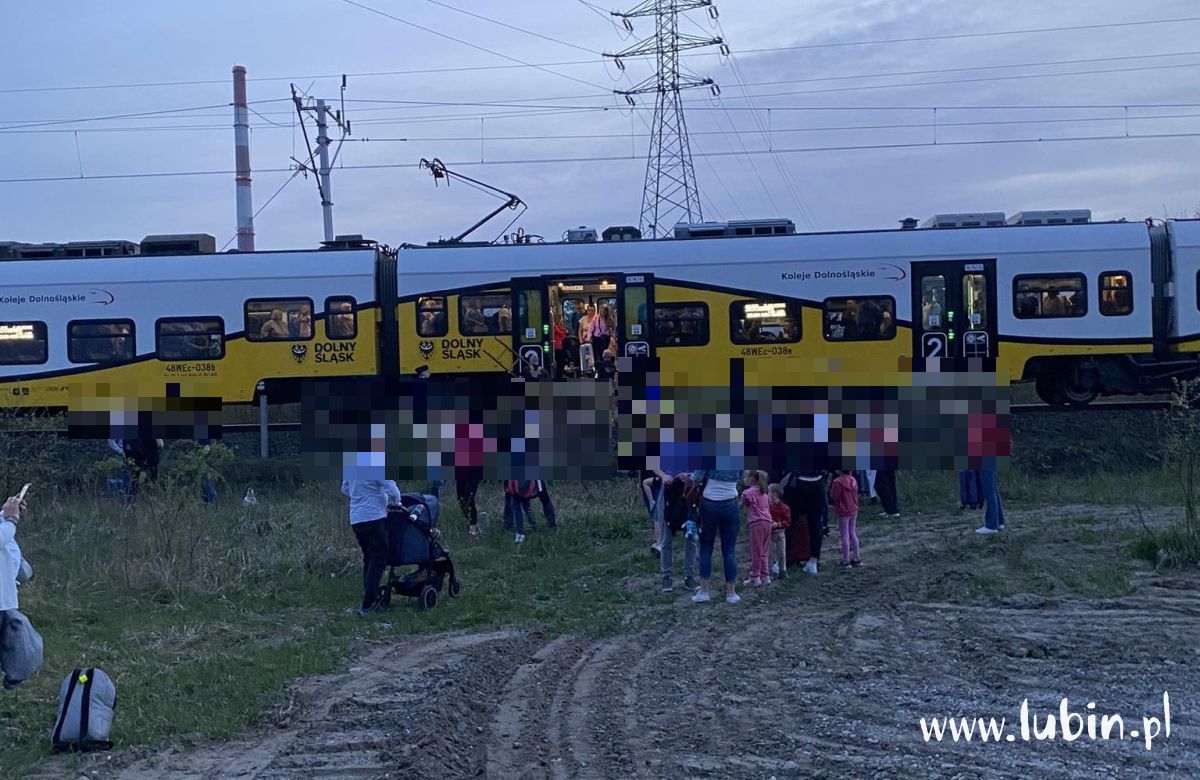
(1071, 307)
(1080, 309)
(209, 325)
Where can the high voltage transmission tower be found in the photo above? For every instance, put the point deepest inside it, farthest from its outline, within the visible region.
(671, 194)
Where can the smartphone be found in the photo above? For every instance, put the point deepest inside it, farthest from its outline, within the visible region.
(24, 490)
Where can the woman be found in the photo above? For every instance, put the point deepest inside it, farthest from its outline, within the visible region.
(10, 565)
(560, 335)
(369, 500)
(466, 490)
(719, 516)
(585, 322)
(804, 493)
(601, 330)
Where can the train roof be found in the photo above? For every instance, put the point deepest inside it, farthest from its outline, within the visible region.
(537, 259)
(187, 268)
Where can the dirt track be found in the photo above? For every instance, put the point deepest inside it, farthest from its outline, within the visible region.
(823, 678)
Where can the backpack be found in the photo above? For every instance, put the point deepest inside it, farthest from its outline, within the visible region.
(694, 493)
(86, 701)
(21, 650)
(675, 507)
(521, 489)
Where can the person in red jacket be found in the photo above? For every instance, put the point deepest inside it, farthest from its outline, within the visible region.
(843, 496)
(781, 520)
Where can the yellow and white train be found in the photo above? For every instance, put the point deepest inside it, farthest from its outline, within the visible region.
(1081, 309)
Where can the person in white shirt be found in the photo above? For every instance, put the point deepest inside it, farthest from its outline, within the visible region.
(369, 500)
(10, 515)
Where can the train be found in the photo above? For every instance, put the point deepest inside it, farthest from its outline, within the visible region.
(1081, 309)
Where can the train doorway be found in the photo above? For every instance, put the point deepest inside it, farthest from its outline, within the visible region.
(954, 312)
(552, 316)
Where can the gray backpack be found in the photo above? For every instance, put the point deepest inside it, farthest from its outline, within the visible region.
(20, 648)
(25, 573)
(86, 701)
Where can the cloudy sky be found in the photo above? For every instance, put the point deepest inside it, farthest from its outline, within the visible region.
(837, 104)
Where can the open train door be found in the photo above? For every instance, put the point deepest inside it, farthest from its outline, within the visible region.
(635, 315)
(954, 315)
(531, 332)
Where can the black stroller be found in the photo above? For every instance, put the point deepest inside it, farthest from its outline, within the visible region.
(414, 540)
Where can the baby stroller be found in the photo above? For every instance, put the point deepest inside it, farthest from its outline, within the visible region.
(414, 540)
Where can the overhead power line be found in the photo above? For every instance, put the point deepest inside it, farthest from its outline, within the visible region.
(626, 136)
(514, 28)
(475, 46)
(992, 34)
(627, 158)
(516, 64)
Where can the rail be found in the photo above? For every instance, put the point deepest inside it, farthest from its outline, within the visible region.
(295, 427)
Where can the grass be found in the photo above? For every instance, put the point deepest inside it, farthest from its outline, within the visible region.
(1046, 561)
(204, 616)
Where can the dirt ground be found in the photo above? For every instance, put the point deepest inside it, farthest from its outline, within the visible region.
(815, 677)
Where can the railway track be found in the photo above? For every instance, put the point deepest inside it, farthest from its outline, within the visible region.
(294, 427)
(1115, 406)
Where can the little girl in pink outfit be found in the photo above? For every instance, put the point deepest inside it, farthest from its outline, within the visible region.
(758, 517)
(843, 496)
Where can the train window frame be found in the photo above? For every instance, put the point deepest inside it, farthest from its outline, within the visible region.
(507, 301)
(330, 314)
(158, 334)
(844, 298)
(1082, 278)
(1102, 288)
(706, 322)
(132, 336)
(444, 329)
(255, 338)
(794, 310)
(40, 333)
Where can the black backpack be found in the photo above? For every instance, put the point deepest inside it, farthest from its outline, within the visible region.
(675, 510)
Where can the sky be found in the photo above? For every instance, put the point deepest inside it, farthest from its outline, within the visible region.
(831, 96)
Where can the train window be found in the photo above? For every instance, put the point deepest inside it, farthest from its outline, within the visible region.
(340, 320)
(485, 315)
(868, 318)
(1116, 293)
(637, 314)
(1049, 297)
(101, 341)
(975, 301)
(431, 317)
(23, 343)
(764, 322)
(185, 338)
(681, 324)
(279, 319)
(933, 299)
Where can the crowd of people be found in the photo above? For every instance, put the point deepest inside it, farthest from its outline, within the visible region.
(787, 519)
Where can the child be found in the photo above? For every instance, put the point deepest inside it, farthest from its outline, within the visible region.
(781, 520)
(843, 495)
(517, 496)
(758, 517)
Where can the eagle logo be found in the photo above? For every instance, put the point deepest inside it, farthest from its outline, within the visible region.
(299, 352)
(426, 348)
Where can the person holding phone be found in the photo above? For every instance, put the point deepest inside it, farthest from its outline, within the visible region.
(10, 516)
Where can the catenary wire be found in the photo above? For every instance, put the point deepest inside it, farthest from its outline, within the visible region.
(622, 158)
